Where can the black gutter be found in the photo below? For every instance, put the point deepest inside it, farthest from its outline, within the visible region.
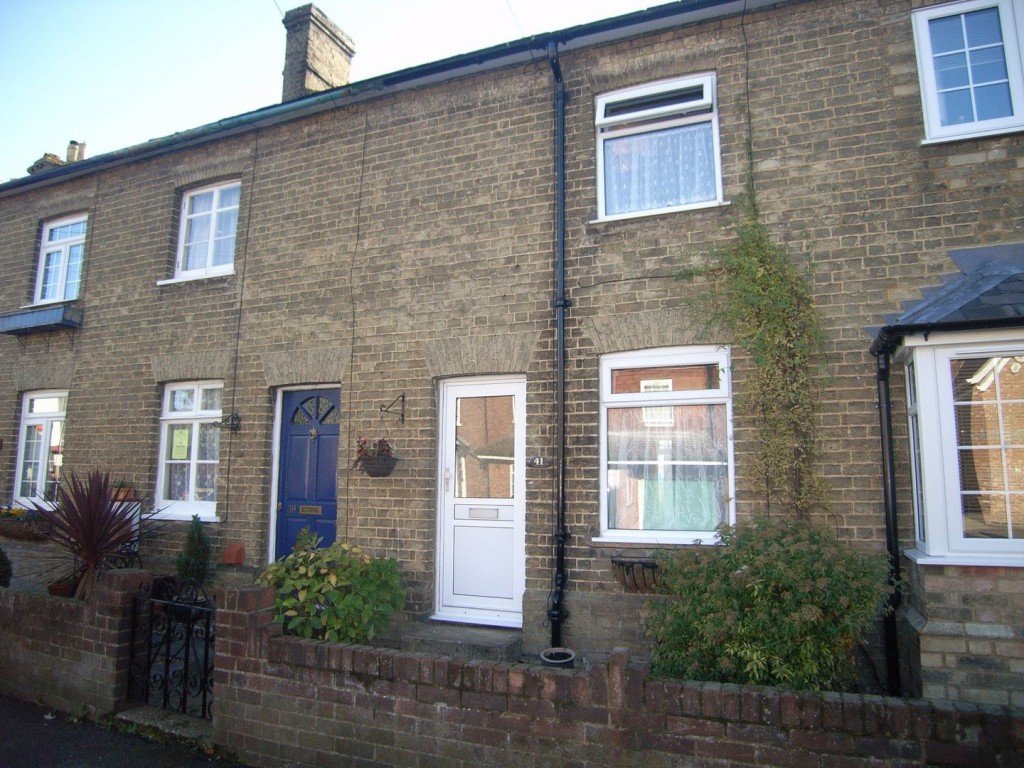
(524, 51)
(892, 543)
(556, 609)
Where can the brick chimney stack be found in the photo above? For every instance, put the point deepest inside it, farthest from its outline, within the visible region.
(317, 55)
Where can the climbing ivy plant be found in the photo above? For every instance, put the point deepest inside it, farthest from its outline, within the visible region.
(765, 304)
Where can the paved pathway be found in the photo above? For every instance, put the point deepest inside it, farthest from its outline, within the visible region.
(35, 737)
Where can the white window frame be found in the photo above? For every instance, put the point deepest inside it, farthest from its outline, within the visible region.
(45, 421)
(1011, 15)
(62, 248)
(184, 509)
(208, 269)
(666, 357)
(935, 469)
(612, 123)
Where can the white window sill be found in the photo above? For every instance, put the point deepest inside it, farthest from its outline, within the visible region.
(966, 559)
(182, 511)
(652, 539)
(660, 211)
(968, 135)
(193, 278)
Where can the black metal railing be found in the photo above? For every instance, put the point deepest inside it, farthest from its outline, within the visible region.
(173, 633)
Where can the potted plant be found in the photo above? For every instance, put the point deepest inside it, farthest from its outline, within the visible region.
(64, 586)
(92, 525)
(374, 456)
(23, 524)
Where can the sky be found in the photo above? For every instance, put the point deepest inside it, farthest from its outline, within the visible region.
(115, 73)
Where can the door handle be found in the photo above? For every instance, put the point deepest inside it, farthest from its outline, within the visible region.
(447, 479)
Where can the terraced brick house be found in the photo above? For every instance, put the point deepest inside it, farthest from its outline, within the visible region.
(477, 259)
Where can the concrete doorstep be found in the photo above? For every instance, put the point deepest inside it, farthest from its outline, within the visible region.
(164, 725)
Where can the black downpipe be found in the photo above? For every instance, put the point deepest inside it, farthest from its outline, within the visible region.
(556, 608)
(892, 543)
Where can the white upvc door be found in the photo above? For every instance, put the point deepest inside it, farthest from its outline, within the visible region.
(481, 537)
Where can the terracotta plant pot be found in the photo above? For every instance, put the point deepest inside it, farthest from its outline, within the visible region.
(62, 588)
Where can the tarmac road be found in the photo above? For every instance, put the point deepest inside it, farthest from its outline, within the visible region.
(35, 737)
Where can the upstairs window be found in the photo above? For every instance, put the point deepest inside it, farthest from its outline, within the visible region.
(60, 260)
(209, 219)
(657, 148)
(189, 450)
(969, 63)
(666, 448)
(40, 447)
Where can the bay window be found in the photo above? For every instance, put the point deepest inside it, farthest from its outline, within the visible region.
(966, 396)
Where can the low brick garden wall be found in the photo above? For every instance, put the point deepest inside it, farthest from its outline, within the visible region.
(68, 654)
(283, 701)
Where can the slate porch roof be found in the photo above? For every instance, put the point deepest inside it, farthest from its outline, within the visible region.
(987, 292)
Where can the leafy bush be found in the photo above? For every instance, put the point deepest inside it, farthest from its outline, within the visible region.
(6, 571)
(334, 593)
(193, 562)
(780, 602)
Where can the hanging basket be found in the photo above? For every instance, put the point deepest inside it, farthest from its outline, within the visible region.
(378, 466)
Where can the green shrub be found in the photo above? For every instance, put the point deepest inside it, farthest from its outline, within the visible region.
(6, 571)
(335, 593)
(193, 562)
(779, 602)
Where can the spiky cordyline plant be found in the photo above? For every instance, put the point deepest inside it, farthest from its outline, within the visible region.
(91, 523)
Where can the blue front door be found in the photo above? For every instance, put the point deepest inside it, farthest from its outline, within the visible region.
(307, 484)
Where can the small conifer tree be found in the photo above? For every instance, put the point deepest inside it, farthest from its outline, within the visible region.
(194, 561)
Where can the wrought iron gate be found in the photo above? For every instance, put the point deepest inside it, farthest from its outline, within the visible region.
(172, 647)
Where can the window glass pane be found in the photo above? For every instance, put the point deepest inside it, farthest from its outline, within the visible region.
(485, 448)
(206, 482)
(179, 442)
(229, 196)
(198, 230)
(660, 169)
(31, 466)
(209, 443)
(223, 251)
(176, 482)
(195, 256)
(671, 476)
(227, 221)
(947, 34)
(74, 272)
(951, 72)
(50, 278)
(211, 398)
(955, 108)
(50, 404)
(988, 66)
(201, 202)
(994, 101)
(981, 469)
(680, 378)
(983, 27)
(182, 400)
